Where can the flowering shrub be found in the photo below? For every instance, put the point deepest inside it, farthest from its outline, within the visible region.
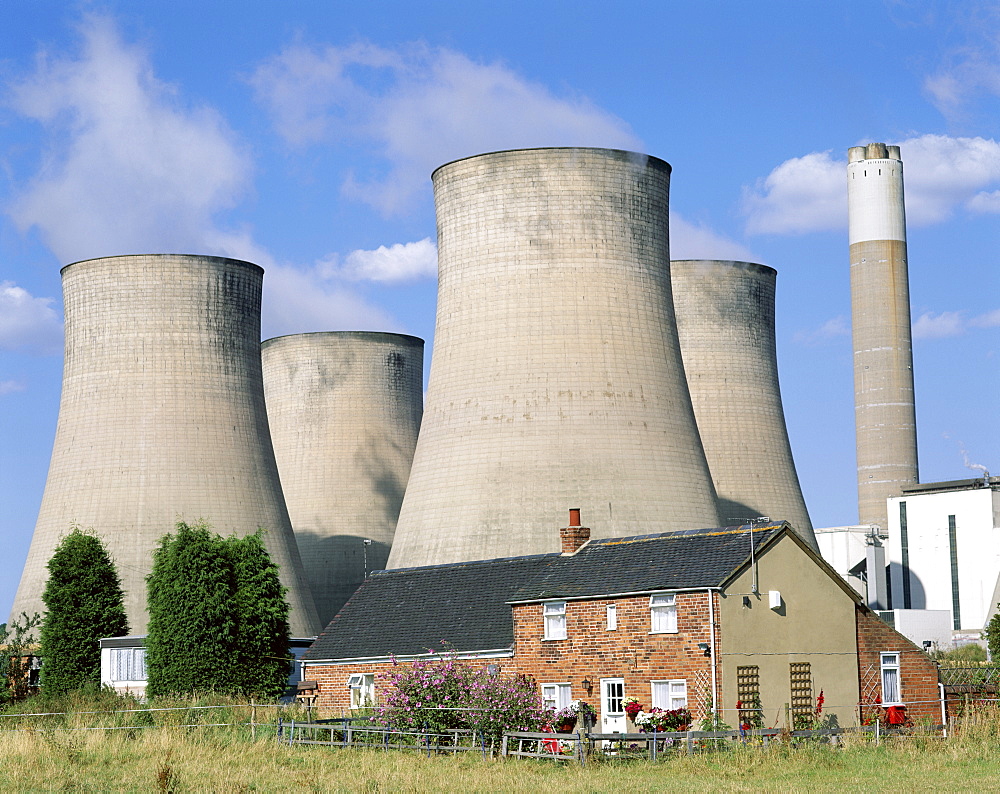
(442, 694)
(657, 719)
(632, 707)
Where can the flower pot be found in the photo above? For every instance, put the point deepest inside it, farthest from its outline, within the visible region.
(566, 726)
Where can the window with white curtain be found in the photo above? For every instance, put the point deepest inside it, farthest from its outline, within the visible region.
(128, 664)
(890, 678)
(612, 610)
(663, 613)
(669, 694)
(556, 696)
(554, 615)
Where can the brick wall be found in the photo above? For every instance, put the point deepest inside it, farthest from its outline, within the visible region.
(630, 652)
(918, 675)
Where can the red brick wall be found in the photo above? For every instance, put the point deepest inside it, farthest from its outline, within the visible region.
(918, 675)
(629, 652)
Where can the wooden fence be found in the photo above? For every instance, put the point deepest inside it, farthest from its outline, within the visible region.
(572, 747)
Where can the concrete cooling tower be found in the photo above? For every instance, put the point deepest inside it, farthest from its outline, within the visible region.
(344, 410)
(162, 418)
(725, 320)
(884, 410)
(556, 378)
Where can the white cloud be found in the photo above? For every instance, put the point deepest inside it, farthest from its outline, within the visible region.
(985, 202)
(833, 328)
(134, 169)
(987, 320)
(932, 325)
(420, 107)
(399, 262)
(131, 168)
(804, 194)
(28, 323)
(11, 386)
(697, 241)
(298, 300)
(938, 326)
(972, 69)
(809, 193)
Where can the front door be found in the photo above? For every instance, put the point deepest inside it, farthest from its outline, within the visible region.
(613, 706)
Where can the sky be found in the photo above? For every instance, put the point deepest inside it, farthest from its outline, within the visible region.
(301, 136)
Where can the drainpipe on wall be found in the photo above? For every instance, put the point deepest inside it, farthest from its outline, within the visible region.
(944, 710)
(711, 644)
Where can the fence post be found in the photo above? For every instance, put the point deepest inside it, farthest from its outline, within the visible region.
(690, 743)
(291, 733)
(281, 730)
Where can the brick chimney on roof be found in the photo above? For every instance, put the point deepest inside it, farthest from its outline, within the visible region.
(573, 537)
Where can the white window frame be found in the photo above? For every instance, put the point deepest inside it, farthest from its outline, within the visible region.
(889, 670)
(612, 614)
(362, 688)
(676, 694)
(127, 664)
(557, 696)
(663, 613)
(554, 620)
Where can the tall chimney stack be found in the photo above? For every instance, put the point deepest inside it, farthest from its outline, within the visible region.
(885, 417)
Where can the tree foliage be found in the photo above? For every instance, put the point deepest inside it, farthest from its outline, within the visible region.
(218, 619)
(261, 653)
(84, 602)
(992, 636)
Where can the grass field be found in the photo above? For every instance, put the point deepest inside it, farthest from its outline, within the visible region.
(225, 759)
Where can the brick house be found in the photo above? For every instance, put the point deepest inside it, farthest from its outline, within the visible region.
(689, 618)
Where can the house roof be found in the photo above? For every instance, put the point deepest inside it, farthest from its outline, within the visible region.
(465, 607)
(410, 611)
(666, 561)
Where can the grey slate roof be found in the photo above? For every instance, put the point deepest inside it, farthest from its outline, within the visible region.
(409, 611)
(665, 561)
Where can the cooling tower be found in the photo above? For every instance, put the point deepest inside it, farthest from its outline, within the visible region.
(344, 410)
(725, 321)
(885, 417)
(556, 378)
(162, 418)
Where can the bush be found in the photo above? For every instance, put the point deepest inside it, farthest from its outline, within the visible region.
(443, 694)
(84, 602)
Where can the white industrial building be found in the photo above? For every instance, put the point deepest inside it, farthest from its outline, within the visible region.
(943, 550)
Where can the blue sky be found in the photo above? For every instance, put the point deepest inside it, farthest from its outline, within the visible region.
(301, 136)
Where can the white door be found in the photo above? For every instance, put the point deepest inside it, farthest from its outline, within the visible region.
(613, 706)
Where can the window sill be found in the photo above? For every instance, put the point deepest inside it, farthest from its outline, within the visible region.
(553, 639)
(664, 632)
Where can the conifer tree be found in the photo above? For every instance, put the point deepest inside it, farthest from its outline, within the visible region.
(192, 629)
(218, 619)
(261, 654)
(84, 602)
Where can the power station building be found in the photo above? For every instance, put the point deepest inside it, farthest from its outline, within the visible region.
(344, 410)
(885, 416)
(162, 419)
(556, 378)
(725, 322)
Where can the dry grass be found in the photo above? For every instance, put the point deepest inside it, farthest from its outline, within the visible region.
(174, 759)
